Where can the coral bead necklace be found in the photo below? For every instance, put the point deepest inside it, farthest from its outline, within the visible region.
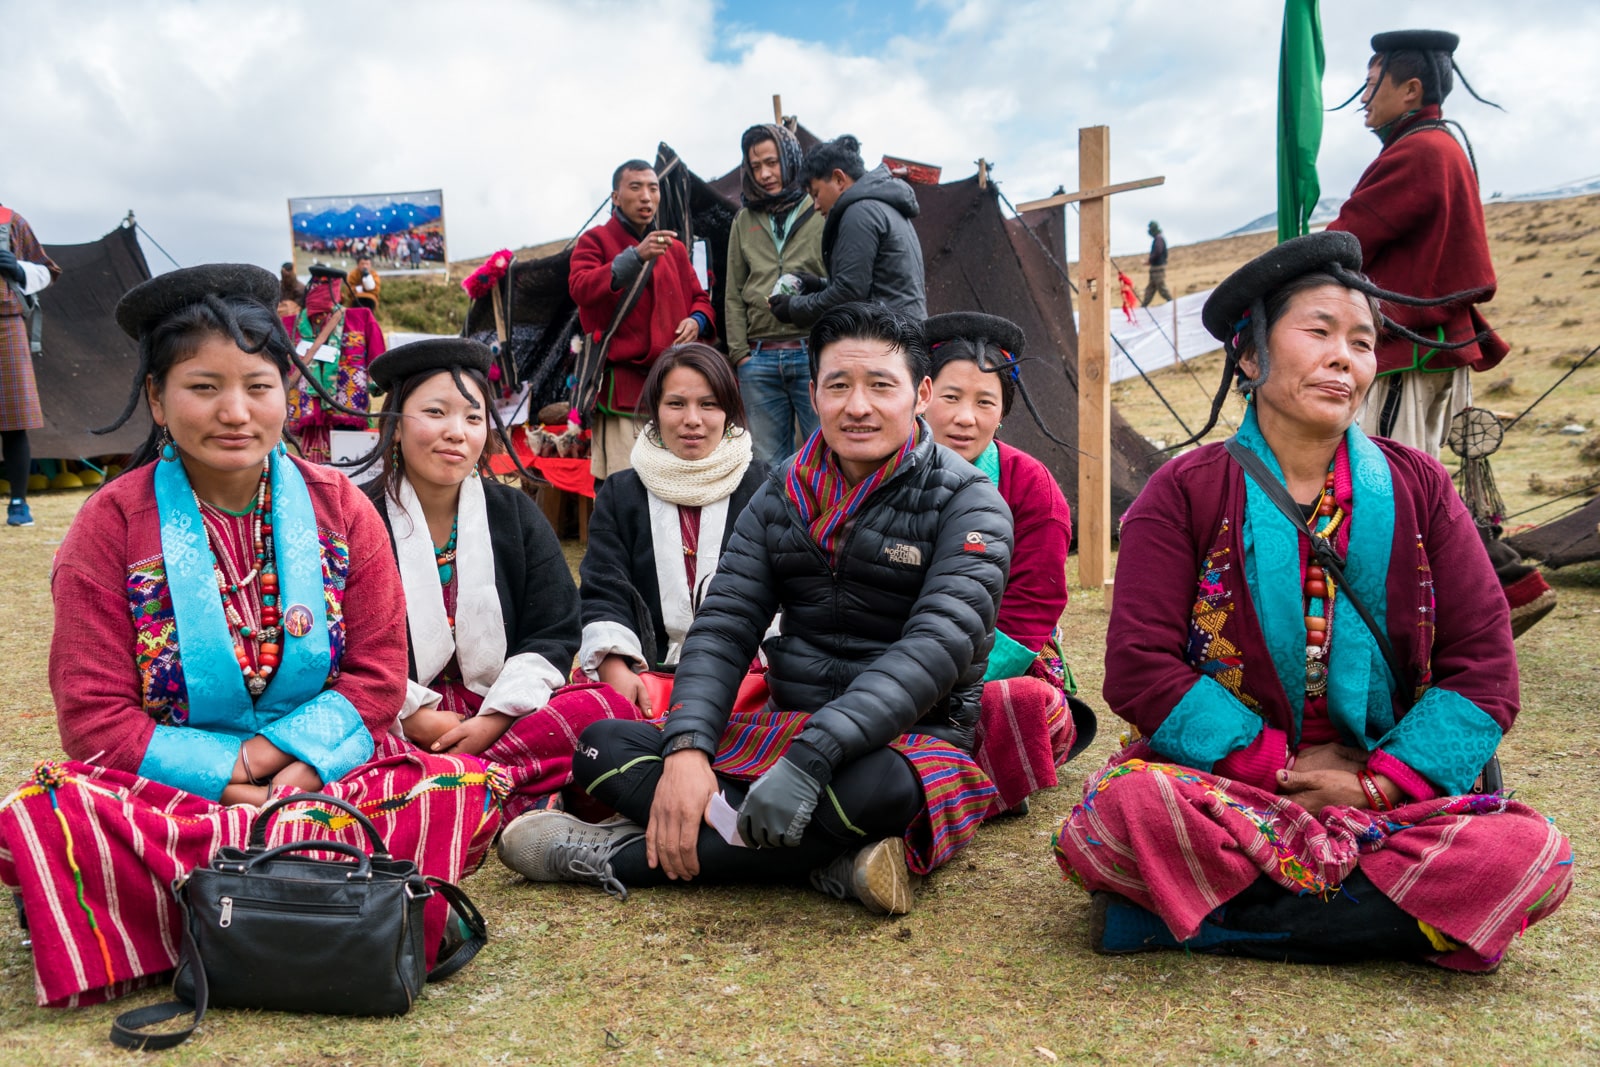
(252, 621)
(1319, 591)
(445, 559)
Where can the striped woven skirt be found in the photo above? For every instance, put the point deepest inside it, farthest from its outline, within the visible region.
(956, 792)
(94, 852)
(19, 392)
(1479, 869)
(536, 751)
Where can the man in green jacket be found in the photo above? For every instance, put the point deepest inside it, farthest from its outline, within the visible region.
(775, 247)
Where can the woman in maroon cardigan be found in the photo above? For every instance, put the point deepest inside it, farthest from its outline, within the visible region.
(226, 634)
(1302, 790)
(1028, 729)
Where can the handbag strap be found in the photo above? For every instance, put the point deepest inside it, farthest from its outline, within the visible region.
(478, 930)
(126, 1029)
(1327, 558)
(258, 827)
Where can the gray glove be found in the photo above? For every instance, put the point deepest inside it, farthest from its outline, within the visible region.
(778, 807)
(10, 268)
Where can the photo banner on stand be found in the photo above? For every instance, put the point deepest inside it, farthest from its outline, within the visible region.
(402, 232)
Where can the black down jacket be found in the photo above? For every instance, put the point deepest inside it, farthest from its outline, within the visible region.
(897, 636)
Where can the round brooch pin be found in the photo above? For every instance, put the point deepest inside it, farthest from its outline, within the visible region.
(297, 620)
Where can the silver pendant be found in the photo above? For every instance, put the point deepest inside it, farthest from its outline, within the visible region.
(257, 686)
(1316, 678)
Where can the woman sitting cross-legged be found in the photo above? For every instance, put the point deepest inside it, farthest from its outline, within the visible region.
(659, 529)
(1032, 723)
(1303, 787)
(491, 610)
(225, 634)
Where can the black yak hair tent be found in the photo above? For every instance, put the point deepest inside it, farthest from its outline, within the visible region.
(87, 361)
(1573, 538)
(975, 258)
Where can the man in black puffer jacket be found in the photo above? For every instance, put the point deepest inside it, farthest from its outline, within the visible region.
(887, 555)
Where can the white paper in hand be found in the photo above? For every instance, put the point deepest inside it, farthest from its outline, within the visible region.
(302, 348)
(725, 821)
(326, 354)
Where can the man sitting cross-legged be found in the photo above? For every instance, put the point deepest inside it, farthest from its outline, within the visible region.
(887, 555)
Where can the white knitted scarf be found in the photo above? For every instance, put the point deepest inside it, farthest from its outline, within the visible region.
(692, 483)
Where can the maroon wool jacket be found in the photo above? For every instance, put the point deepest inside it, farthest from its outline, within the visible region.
(1445, 614)
(672, 294)
(1036, 590)
(1418, 216)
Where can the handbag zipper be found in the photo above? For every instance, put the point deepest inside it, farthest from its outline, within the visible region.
(225, 919)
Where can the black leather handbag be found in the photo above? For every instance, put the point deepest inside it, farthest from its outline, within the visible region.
(279, 930)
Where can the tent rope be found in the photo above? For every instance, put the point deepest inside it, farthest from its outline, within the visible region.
(139, 228)
(1585, 491)
(1547, 392)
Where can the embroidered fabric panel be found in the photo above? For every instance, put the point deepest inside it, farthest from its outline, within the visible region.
(156, 656)
(155, 645)
(1209, 650)
(349, 389)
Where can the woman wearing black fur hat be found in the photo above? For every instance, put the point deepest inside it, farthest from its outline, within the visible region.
(1027, 729)
(491, 608)
(225, 634)
(1308, 641)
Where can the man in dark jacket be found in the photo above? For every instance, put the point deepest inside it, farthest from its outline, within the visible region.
(869, 247)
(1158, 265)
(887, 555)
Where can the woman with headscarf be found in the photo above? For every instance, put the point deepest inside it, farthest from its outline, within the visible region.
(1027, 729)
(337, 344)
(1309, 643)
(774, 246)
(491, 609)
(225, 635)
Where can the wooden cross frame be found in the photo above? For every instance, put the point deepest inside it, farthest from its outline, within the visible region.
(1097, 295)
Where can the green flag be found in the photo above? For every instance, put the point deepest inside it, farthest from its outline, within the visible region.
(1300, 66)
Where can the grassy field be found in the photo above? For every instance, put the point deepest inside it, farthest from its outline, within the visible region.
(993, 965)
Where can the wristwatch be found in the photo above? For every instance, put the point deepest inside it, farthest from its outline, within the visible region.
(680, 743)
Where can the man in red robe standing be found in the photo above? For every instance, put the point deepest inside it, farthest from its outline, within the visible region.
(672, 308)
(1419, 217)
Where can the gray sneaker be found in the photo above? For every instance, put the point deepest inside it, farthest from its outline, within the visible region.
(875, 875)
(555, 846)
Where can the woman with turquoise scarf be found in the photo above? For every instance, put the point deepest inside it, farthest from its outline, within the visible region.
(225, 634)
(1317, 661)
(1032, 722)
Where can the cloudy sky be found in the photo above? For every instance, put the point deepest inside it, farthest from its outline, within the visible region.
(204, 117)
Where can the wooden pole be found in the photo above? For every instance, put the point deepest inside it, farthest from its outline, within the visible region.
(777, 109)
(983, 174)
(1096, 291)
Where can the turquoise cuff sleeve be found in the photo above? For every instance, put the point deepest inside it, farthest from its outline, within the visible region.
(1208, 723)
(194, 760)
(1008, 659)
(325, 732)
(1446, 738)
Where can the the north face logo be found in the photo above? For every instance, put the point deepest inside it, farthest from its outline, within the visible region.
(910, 555)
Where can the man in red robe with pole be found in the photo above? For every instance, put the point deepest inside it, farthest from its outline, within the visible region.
(1418, 214)
(672, 308)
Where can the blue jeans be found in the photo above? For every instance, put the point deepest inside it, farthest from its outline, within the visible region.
(776, 387)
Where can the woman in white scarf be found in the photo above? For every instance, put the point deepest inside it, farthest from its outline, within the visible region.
(659, 529)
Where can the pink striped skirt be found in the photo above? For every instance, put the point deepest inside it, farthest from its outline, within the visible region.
(1177, 841)
(956, 792)
(536, 751)
(94, 852)
(1024, 734)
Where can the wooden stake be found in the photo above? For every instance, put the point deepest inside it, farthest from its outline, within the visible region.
(983, 174)
(1095, 292)
(777, 109)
